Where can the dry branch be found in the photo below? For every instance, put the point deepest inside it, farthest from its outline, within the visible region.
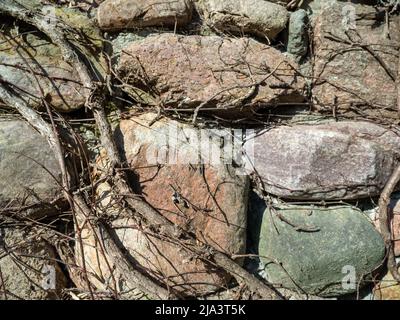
(95, 99)
(384, 222)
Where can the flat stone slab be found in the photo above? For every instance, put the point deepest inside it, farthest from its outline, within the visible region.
(332, 161)
(226, 76)
(355, 64)
(327, 262)
(126, 14)
(258, 17)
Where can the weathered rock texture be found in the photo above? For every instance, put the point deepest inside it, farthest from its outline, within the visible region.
(387, 289)
(126, 14)
(339, 160)
(58, 81)
(257, 17)
(297, 43)
(35, 67)
(28, 168)
(209, 201)
(28, 267)
(355, 69)
(318, 262)
(213, 202)
(189, 71)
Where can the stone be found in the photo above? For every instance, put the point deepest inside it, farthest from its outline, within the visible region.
(29, 268)
(207, 200)
(28, 168)
(60, 83)
(211, 72)
(214, 190)
(258, 17)
(118, 42)
(100, 266)
(126, 14)
(347, 53)
(387, 289)
(344, 244)
(331, 161)
(297, 44)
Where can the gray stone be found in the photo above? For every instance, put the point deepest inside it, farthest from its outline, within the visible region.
(59, 82)
(29, 270)
(339, 160)
(28, 168)
(125, 14)
(317, 262)
(118, 42)
(298, 38)
(258, 17)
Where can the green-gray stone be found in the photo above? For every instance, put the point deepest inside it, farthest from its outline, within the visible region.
(298, 39)
(318, 262)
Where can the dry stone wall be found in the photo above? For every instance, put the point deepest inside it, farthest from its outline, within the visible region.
(265, 130)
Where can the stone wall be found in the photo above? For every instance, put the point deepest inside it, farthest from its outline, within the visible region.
(266, 130)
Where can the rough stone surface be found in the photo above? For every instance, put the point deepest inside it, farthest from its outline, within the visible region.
(28, 267)
(23, 156)
(258, 17)
(387, 289)
(210, 202)
(317, 262)
(339, 160)
(125, 14)
(210, 197)
(58, 80)
(342, 73)
(297, 44)
(187, 71)
(64, 92)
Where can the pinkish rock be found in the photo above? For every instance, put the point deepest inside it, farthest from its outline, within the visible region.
(126, 14)
(224, 75)
(355, 69)
(396, 228)
(258, 17)
(209, 201)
